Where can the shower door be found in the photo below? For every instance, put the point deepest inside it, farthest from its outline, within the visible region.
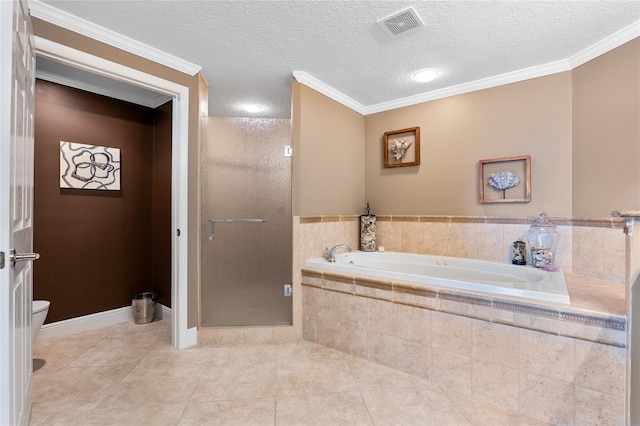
(246, 191)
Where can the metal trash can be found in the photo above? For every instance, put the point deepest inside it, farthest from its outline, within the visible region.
(144, 307)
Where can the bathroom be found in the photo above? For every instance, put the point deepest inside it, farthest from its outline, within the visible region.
(545, 117)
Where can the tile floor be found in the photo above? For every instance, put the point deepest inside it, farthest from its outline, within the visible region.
(129, 374)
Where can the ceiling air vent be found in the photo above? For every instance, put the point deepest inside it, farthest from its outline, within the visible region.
(401, 22)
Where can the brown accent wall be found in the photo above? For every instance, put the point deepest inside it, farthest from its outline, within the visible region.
(161, 204)
(98, 248)
(606, 132)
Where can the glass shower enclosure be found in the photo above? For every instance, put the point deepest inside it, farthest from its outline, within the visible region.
(246, 239)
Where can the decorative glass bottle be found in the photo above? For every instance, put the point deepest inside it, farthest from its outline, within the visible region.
(543, 239)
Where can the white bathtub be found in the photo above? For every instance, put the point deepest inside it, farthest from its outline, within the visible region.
(524, 282)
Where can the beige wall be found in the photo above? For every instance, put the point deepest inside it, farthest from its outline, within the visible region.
(606, 133)
(580, 128)
(68, 38)
(328, 143)
(530, 117)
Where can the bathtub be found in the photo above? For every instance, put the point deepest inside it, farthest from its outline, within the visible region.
(524, 282)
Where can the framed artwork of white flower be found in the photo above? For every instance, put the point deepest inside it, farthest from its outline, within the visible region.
(505, 180)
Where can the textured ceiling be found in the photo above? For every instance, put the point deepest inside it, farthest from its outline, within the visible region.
(249, 49)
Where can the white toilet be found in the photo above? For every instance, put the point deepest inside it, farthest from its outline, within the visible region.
(39, 310)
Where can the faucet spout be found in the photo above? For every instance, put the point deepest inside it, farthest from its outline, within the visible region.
(329, 253)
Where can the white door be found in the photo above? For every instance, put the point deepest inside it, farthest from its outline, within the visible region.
(17, 97)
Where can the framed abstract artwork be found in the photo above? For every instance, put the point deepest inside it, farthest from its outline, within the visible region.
(89, 167)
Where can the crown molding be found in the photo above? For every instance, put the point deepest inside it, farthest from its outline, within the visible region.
(83, 27)
(609, 43)
(472, 86)
(603, 46)
(325, 89)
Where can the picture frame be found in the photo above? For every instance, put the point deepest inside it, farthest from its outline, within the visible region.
(505, 179)
(92, 167)
(402, 147)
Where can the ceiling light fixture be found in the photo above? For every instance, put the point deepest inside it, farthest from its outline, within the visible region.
(426, 75)
(252, 108)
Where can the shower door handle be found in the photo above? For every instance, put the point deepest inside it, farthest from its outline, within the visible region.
(213, 221)
(237, 220)
(21, 257)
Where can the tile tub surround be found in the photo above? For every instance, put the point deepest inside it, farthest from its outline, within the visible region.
(563, 366)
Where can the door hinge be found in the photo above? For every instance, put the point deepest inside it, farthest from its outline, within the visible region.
(1, 260)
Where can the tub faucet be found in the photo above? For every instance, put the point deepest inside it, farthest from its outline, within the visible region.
(328, 254)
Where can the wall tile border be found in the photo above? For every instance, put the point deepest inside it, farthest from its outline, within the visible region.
(612, 223)
(329, 218)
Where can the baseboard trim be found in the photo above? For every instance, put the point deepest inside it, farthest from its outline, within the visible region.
(163, 313)
(190, 339)
(90, 322)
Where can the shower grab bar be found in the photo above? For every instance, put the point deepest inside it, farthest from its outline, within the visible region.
(213, 221)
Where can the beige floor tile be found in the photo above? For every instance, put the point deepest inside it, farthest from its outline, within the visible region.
(254, 412)
(421, 405)
(99, 333)
(136, 392)
(328, 409)
(113, 351)
(255, 351)
(129, 328)
(482, 413)
(77, 388)
(369, 374)
(332, 359)
(130, 375)
(308, 376)
(147, 414)
(255, 384)
(56, 353)
(170, 365)
(40, 419)
(303, 349)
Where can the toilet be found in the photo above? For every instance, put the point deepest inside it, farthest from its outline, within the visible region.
(39, 310)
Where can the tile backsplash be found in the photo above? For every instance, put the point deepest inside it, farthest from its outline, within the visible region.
(595, 248)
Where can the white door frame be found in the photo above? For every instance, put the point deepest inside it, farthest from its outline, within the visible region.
(181, 336)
